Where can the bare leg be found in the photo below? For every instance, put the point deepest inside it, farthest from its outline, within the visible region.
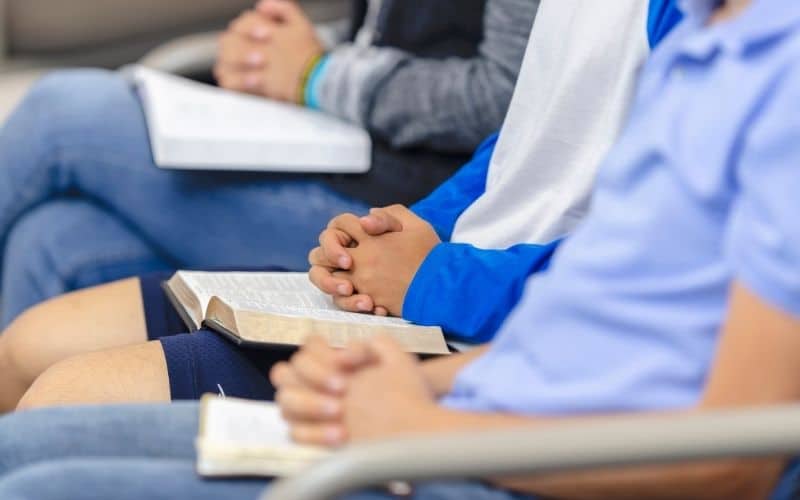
(131, 374)
(94, 319)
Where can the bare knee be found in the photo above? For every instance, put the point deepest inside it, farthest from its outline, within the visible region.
(94, 319)
(53, 387)
(130, 374)
(31, 344)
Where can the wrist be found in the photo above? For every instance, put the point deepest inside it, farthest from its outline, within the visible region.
(310, 80)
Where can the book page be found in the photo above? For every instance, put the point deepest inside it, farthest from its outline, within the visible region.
(244, 423)
(198, 126)
(285, 294)
(248, 437)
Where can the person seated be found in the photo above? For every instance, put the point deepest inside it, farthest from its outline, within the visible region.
(465, 210)
(82, 202)
(679, 293)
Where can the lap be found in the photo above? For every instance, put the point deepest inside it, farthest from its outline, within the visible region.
(127, 374)
(65, 245)
(121, 479)
(156, 479)
(153, 431)
(93, 319)
(83, 134)
(203, 362)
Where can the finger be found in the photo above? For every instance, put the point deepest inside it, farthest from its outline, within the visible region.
(319, 372)
(323, 279)
(281, 10)
(387, 350)
(283, 375)
(240, 52)
(381, 311)
(379, 222)
(317, 257)
(350, 224)
(328, 435)
(333, 243)
(252, 24)
(303, 405)
(355, 303)
(354, 356)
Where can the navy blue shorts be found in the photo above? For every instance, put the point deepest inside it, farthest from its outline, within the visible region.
(203, 362)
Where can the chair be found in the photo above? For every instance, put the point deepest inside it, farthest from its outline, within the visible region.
(559, 448)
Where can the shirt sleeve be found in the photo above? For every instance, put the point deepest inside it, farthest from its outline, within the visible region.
(763, 237)
(468, 291)
(446, 204)
(448, 105)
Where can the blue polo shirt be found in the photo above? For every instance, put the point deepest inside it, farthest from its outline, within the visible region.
(702, 189)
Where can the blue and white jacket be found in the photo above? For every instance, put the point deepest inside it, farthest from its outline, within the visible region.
(469, 289)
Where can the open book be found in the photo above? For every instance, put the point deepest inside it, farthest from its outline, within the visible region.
(200, 127)
(283, 309)
(247, 438)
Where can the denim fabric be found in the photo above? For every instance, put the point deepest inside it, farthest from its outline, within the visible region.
(161, 479)
(81, 135)
(133, 452)
(147, 451)
(47, 253)
(128, 431)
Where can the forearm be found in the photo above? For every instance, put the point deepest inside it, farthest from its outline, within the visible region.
(441, 372)
(447, 105)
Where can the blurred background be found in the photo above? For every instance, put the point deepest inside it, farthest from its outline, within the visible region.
(172, 35)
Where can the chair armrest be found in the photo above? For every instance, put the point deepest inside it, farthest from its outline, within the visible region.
(558, 448)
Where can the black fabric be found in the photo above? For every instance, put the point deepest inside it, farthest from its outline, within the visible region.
(433, 28)
(161, 318)
(204, 362)
(398, 176)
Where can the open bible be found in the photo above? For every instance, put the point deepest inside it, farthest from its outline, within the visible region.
(247, 438)
(261, 310)
(199, 127)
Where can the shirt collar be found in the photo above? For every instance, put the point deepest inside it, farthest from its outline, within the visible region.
(763, 20)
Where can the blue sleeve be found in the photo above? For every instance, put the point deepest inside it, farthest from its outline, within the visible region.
(662, 17)
(468, 291)
(763, 234)
(445, 205)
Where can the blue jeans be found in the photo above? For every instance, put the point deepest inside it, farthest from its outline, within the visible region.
(147, 451)
(136, 452)
(81, 201)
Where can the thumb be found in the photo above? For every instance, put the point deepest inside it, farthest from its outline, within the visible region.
(380, 221)
(280, 10)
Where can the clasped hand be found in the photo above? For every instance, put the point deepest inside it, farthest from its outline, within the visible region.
(367, 391)
(368, 263)
(266, 51)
